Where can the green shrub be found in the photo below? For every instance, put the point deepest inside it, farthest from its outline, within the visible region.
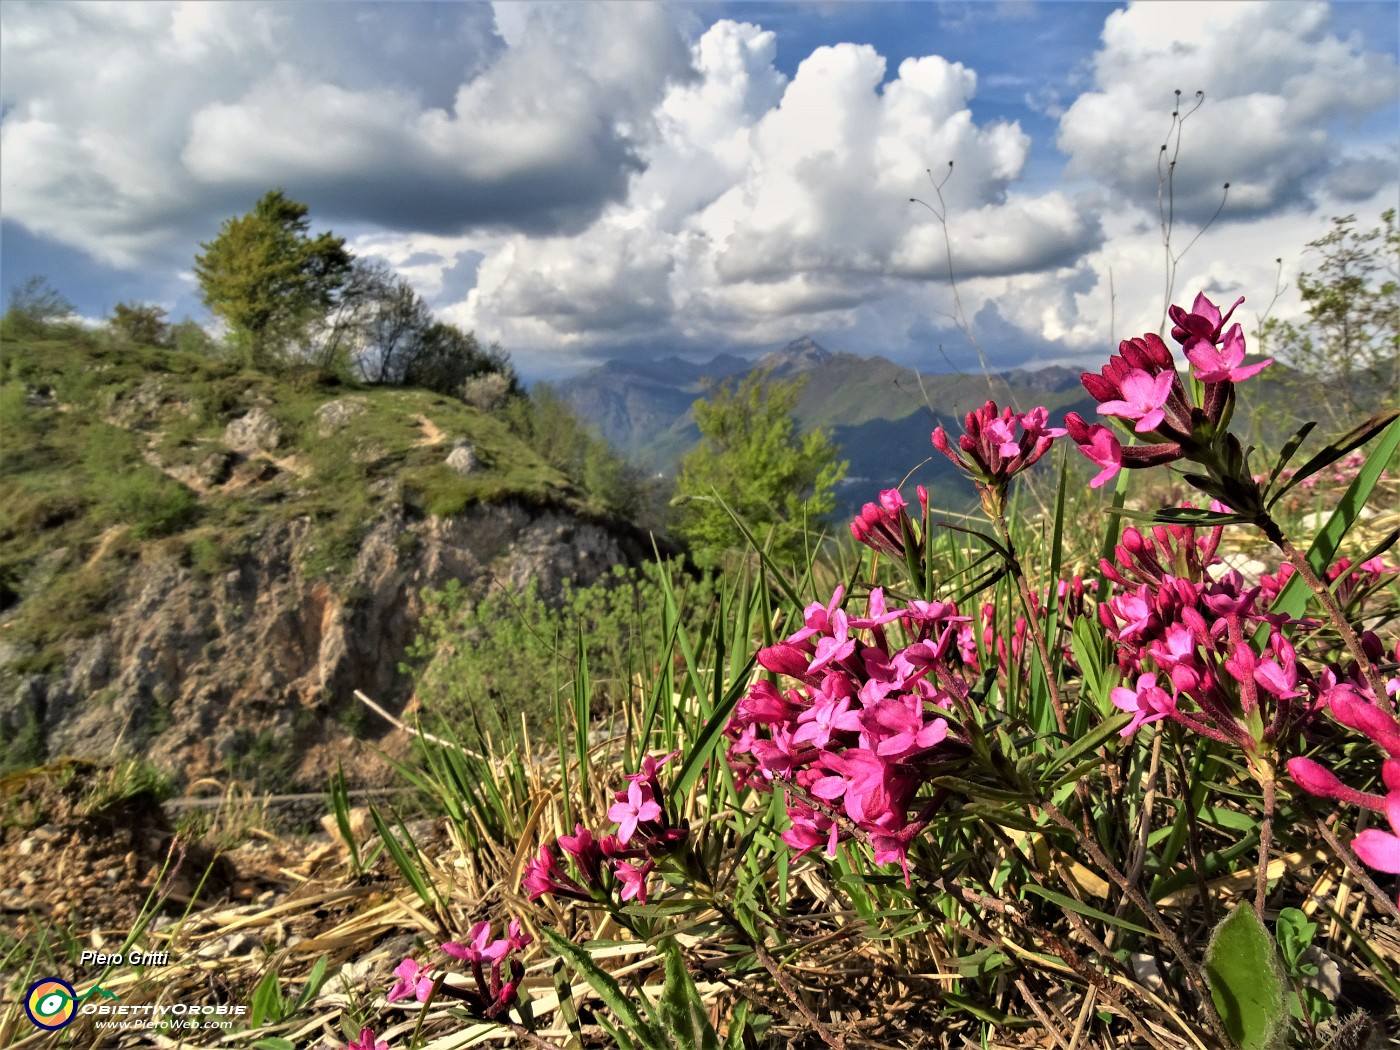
(483, 664)
(152, 504)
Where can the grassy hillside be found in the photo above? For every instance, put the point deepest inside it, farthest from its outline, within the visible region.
(109, 447)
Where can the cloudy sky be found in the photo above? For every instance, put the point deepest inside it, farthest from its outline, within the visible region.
(589, 180)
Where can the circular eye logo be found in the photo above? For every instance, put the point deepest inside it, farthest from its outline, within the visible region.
(50, 1003)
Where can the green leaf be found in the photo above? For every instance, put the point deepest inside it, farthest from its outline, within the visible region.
(312, 985)
(267, 1006)
(1293, 599)
(711, 736)
(1079, 908)
(274, 1042)
(1294, 933)
(738, 1023)
(1286, 453)
(1354, 439)
(608, 990)
(566, 1010)
(1104, 732)
(681, 1010)
(1245, 981)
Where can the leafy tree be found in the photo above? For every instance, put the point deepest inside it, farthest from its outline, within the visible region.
(442, 357)
(1350, 341)
(35, 307)
(190, 337)
(751, 460)
(142, 324)
(267, 277)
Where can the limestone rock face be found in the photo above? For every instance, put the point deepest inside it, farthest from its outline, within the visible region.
(338, 414)
(195, 670)
(257, 431)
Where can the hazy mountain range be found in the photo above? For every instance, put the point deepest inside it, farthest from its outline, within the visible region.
(878, 412)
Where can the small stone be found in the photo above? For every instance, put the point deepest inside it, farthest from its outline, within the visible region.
(462, 458)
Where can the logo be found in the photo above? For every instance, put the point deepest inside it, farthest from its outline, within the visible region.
(50, 1003)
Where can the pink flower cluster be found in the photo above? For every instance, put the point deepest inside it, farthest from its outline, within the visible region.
(492, 995)
(1353, 706)
(854, 737)
(366, 1041)
(997, 444)
(625, 859)
(886, 527)
(1185, 641)
(1140, 385)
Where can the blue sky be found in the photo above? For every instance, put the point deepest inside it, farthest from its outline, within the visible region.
(594, 179)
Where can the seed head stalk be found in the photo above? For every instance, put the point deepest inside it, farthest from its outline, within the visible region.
(1033, 620)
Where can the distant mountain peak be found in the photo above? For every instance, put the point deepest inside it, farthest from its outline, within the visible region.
(799, 355)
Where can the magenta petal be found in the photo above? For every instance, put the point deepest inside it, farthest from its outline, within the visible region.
(1378, 849)
(1246, 371)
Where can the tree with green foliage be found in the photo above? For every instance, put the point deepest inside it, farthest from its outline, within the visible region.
(36, 307)
(268, 277)
(141, 324)
(752, 461)
(1350, 340)
(442, 357)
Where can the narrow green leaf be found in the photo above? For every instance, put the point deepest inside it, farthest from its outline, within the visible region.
(566, 1010)
(1246, 983)
(1350, 441)
(712, 735)
(266, 1007)
(1293, 599)
(607, 988)
(738, 1024)
(1079, 908)
(681, 1010)
(313, 984)
(1290, 447)
(1099, 736)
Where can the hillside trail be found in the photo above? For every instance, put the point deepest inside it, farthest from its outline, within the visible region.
(432, 433)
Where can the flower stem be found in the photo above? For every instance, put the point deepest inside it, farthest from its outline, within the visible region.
(1266, 836)
(1037, 628)
(1150, 912)
(1329, 603)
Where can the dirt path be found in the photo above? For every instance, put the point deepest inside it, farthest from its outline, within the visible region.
(432, 433)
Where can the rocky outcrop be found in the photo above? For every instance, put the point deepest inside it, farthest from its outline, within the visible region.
(200, 671)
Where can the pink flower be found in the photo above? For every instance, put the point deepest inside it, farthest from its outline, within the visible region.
(990, 449)
(1381, 849)
(1086, 436)
(1203, 322)
(892, 847)
(1105, 450)
(1316, 779)
(544, 876)
(1142, 399)
(816, 724)
(1222, 364)
(413, 980)
(1147, 702)
(809, 830)
(480, 948)
(366, 1042)
(633, 879)
(636, 808)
